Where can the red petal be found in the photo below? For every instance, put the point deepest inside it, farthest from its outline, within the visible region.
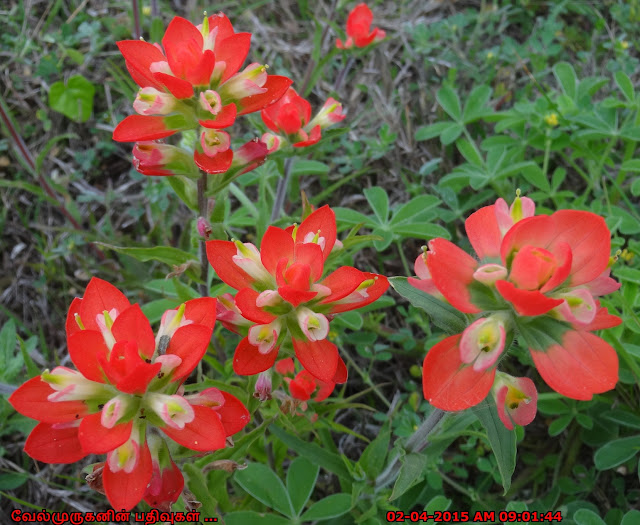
(178, 87)
(341, 373)
(450, 384)
(133, 325)
(233, 414)
(220, 255)
(201, 311)
(201, 74)
(139, 56)
(374, 292)
(285, 366)
(124, 491)
(564, 258)
(190, 343)
(204, 433)
(216, 164)
(233, 52)
(30, 399)
(314, 136)
(140, 127)
(246, 302)
(590, 242)
(168, 489)
(452, 272)
(84, 349)
(224, 119)
(54, 445)
(602, 321)
(294, 295)
(71, 326)
(137, 379)
(526, 302)
(359, 20)
(342, 282)
(98, 297)
(484, 233)
(182, 43)
(324, 391)
(581, 366)
(275, 85)
(276, 244)
(225, 29)
(319, 358)
(96, 439)
(311, 255)
(248, 361)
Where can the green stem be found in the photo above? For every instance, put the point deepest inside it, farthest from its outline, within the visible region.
(281, 190)
(416, 442)
(403, 258)
(202, 210)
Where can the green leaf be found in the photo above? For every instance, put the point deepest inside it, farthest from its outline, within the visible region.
(73, 100)
(329, 507)
(157, 29)
(448, 99)
(587, 517)
(622, 417)
(631, 165)
(437, 503)
(198, 485)
(502, 441)
(476, 105)
(248, 517)
(625, 85)
(352, 217)
(12, 480)
(313, 452)
(165, 254)
(415, 208)
(411, 472)
(263, 484)
(352, 320)
(185, 189)
(631, 518)
(469, 152)
(534, 176)
(379, 202)
(451, 133)
(301, 479)
(309, 167)
(616, 452)
(558, 425)
(10, 363)
(442, 314)
(372, 459)
(567, 78)
(433, 130)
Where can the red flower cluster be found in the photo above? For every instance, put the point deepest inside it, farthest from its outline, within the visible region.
(289, 119)
(359, 32)
(281, 294)
(540, 275)
(194, 81)
(126, 396)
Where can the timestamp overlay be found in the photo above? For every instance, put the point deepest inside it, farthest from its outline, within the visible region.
(503, 516)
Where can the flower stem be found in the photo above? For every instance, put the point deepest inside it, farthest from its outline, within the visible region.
(202, 210)
(417, 442)
(281, 190)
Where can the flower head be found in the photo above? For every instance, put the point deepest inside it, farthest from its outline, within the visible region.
(359, 32)
(126, 383)
(282, 291)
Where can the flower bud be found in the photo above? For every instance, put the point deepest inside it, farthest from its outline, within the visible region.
(330, 114)
(516, 399)
(214, 141)
(151, 158)
(150, 101)
(482, 342)
(263, 386)
(210, 101)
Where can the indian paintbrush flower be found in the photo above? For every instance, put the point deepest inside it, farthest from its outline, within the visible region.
(125, 397)
(359, 32)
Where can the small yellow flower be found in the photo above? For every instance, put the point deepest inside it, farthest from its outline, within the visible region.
(551, 119)
(624, 44)
(490, 55)
(146, 10)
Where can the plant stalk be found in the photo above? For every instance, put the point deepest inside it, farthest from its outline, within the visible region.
(202, 209)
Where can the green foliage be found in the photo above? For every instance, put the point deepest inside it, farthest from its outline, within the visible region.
(73, 99)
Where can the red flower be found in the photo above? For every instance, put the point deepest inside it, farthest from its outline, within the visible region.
(290, 117)
(303, 386)
(127, 379)
(282, 291)
(540, 274)
(516, 400)
(359, 33)
(194, 80)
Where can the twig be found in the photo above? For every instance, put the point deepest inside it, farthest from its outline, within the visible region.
(281, 190)
(137, 31)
